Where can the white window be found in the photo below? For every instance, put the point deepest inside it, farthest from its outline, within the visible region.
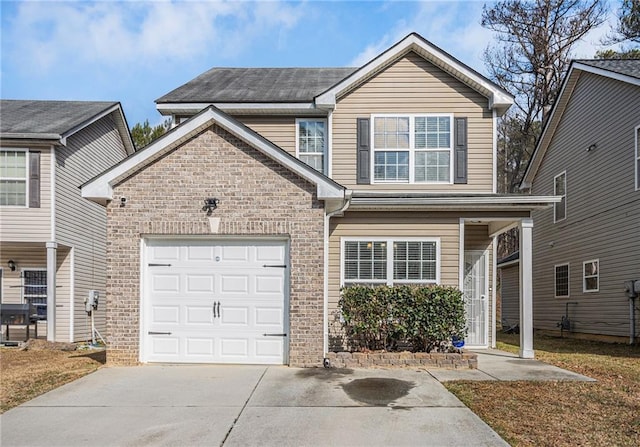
(13, 177)
(35, 286)
(390, 261)
(560, 189)
(311, 142)
(591, 276)
(638, 158)
(412, 148)
(562, 280)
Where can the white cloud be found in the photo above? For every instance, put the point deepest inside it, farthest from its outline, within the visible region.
(112, 34)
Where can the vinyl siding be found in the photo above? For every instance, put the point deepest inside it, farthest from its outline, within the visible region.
(603, 208)
(280, 130)
(81, 224)
(21, 224)
(510, 295)
(413, 85)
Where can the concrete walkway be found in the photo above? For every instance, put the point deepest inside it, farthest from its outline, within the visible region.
(215, 405)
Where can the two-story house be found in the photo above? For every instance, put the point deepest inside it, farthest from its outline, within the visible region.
(52, 241)
(231, 236)
(588, 244)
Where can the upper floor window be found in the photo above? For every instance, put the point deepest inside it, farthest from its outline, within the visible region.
(13, 177)
(390, 261)
(560, 189)
(562, 281)
(311, 142)
(412, 148)
(591, 276)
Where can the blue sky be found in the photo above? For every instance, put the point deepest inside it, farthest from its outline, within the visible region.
(136, 51)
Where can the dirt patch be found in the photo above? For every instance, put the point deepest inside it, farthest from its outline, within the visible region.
(28, 373)
(377, 391)
(43, 345)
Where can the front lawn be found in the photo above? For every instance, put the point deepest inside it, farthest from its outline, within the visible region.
(604, 413)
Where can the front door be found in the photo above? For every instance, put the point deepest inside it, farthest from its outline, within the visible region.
(476, 292)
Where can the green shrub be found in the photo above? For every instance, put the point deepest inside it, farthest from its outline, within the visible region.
(413, 317)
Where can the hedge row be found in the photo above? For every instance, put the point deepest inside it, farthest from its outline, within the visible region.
(405, 317)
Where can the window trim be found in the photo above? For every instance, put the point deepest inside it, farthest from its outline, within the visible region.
(411, 149)
(26, 178)
(555, 216)
(390, 240)
(325, 153)
(24, 285)
(584, 277)
(555, 280)
(637, 157)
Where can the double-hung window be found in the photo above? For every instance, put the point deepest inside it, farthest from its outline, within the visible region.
(35, 286)
(560, 189)
(412, 148)
(13, 177)
(591, 276)
(562, 281)
(375, 261)
(311, 142)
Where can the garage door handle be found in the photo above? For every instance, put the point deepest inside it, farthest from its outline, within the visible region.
(279, 266)
(274, 335)
(159, 265)
(158, 333)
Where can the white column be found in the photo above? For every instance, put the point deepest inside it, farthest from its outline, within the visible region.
(52, 256)
(526, 289)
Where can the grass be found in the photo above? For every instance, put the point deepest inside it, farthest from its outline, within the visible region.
(602, 413)
(28, 374)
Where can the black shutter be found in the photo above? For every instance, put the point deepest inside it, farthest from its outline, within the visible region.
(364, 153)
(460, 151)
(34, 179)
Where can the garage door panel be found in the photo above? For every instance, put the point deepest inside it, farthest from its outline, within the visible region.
(186, 278)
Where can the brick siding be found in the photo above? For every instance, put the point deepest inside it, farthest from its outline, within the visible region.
(257, 197)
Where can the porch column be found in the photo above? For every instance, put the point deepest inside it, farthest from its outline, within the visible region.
(52, 256)
(526, 289)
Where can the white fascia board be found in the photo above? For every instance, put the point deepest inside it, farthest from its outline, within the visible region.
(100, 189)
(607, 73)
(497, 98)
(486, 202)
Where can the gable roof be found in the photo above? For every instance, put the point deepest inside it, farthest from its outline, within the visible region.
(499, 99)
(257, 85)
(624, 70)
(309, 89)
(100, 188)
(56, 120)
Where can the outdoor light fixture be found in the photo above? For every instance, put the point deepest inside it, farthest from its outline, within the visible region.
(210, 204)
(12, 265)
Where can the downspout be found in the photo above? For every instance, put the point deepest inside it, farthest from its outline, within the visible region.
(52, 254)
(327, 219)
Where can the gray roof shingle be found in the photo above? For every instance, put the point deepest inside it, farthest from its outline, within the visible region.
(628, 67)
(257, 85)
(46, 119)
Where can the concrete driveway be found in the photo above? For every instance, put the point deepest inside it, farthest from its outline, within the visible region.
(217, 405)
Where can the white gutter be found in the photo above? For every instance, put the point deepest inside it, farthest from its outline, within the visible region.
(327, 219)
(452, 202)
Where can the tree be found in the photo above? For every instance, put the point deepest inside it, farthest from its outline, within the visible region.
(633, 53)
(530, 55)
(628, 26)
(529, 58)
(143, 134)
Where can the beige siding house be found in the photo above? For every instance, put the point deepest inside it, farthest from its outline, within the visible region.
(587, 246)
(231, 236)
(52, 241)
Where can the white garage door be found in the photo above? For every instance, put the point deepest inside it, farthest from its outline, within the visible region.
(215, 302)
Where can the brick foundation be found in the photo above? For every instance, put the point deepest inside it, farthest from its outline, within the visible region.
(402, 359)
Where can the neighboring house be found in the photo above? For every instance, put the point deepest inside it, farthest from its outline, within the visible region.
(233, 233)
(52, 241)
(588, 244)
